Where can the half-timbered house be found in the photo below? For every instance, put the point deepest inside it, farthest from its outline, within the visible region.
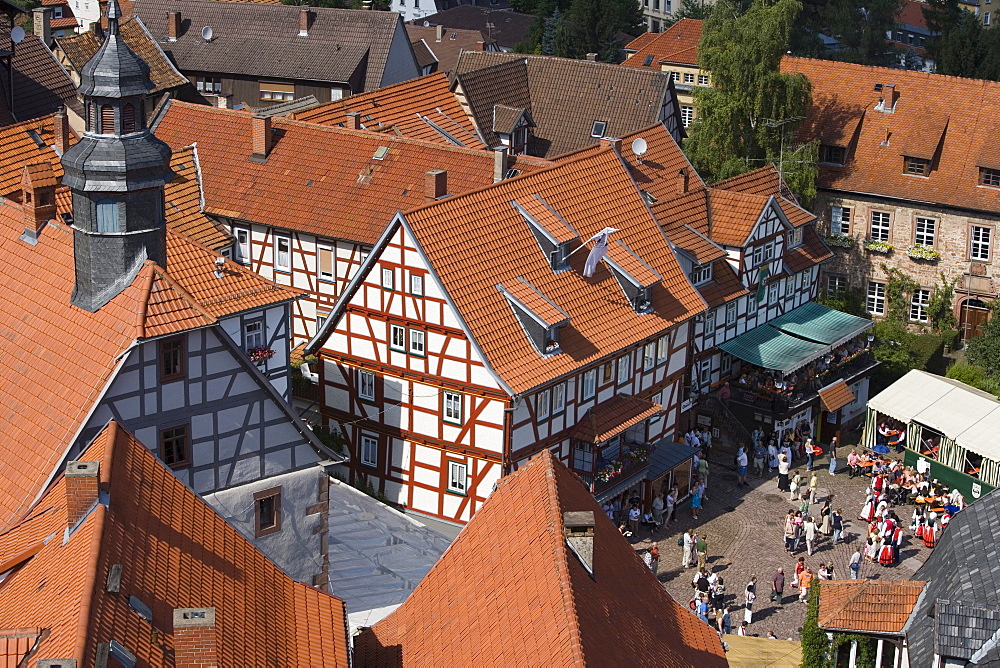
(471, 339)
(306, 203)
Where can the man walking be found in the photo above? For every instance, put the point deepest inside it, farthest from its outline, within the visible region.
(778, 587)
(855, 564)
(805, 581)
(833, 456)
(809, 528)
(837, 522)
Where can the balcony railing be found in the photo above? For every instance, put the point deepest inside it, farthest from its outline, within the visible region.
(610, 473)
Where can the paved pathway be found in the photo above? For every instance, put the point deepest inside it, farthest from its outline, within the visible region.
(744, 528)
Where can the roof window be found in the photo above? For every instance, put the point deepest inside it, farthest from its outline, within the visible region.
(554, 235)
(648, 61)
(540, 319)
(598, 129)
(380, 153)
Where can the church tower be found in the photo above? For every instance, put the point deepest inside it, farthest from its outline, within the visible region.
(116, 173)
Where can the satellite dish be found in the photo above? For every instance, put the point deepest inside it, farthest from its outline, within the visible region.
(17, 34)
(206, 33)
(427, 24)
(639, 146)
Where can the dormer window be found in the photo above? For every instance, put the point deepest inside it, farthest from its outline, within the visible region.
(643, 299)
(702, 273)
(795, 238)
(598, 129)
(916, 166)
(559, 258)
(540, 319)
(556, 237)
(634, 276)
(832, 155)
(989, 177)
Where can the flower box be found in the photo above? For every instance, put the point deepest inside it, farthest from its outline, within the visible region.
(259, 354)
(874, 246)
(922, 252)
(551, 347)
(841, 240)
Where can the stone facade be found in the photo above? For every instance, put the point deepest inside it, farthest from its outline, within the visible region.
(979, 279)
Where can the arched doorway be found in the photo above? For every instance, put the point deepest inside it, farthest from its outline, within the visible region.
(973, 314)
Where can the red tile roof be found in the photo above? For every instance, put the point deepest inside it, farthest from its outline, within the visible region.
(911, 13)
(844, 97)
(835, 396)
(422, 108)
(612, 417)
(60, 357)
(41, 85)
(18, 147)
(590, 192)
(725, 285)
(16, 646)
(677, 44)
(867, 606)
(174, 552)
(320, 180)
(454, 42)
(641, 41)
(812, 251)
(543, 607)
(183, 200)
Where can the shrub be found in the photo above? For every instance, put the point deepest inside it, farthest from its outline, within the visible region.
(973, 375)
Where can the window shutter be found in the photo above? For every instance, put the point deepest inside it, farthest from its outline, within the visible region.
(107, 119)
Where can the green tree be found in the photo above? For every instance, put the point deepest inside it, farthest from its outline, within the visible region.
(939, 306)
(690, 9)
(815, 645)
(749, 118)
(984, 351)
(596, 26)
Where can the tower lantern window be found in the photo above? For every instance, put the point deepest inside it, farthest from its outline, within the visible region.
(107, 119)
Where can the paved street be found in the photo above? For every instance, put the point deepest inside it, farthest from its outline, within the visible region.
(744, 530)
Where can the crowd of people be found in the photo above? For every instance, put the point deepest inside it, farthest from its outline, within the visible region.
(768, 383)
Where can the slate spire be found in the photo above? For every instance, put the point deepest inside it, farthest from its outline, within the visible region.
(116, 173)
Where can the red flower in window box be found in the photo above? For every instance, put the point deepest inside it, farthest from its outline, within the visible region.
(260, 354)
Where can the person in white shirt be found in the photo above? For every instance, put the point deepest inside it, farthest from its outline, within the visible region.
(741, 467)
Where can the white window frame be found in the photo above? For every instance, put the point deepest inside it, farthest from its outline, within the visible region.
(649, 356)
(418, 342)
(836, 285)
(688, 77)
(542, 404)
(840, 220)
(331, 275)
(702, 79)
(731, 313)
(918, 305)
(366, 385)
(558, 399)
(701, 273)
(598, 129)
(924, 230)
(242, 245)
(417, 285)
(254, 334)
(588, 388)
(772, 294)
(388, 278)
(795, 237)
(662, 349)
(397, 332)
(705, 372)
(458, 477)
(881, 230)
(875, 298)
(624, 369)
(368, 449)
(452, 409)
(687, 115)
(279, 241)
(979, 248)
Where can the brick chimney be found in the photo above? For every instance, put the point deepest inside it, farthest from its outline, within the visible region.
(42, 24)
(353, 120)
(500, 160)
(60, 130)
(438, 33)
(81, 489)
(261, 131)
(614, 143)
(682, 181)
(196, 642)
(173, 25)
(38, 197)
(436, 184)
(304, 22)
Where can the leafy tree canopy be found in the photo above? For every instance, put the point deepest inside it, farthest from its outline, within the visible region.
(750, 117)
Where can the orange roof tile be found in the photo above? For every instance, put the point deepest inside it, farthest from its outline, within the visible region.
(320, 180)
(175, 552)
(19, 147)
(677, 44)
(544, 607)
(533, 300)
(422, 108)
(694, 244)
(16, 646)
(867, 606)
(613, 417)
(812, 251)
(590, 192)
(183, 203)
(60, 357)
(843, 93)
(835, 396)
(641, 41)
(724, 286)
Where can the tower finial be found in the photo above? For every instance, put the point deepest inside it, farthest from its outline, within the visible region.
(114, 13)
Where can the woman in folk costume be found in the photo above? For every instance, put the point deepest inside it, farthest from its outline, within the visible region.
(878, 484)
(888, 526)
(918, 518)
(921, 526)
(881, 509)
(897, 541)
(867, 513)
(871, 548)
(886, 555)
(929, 535)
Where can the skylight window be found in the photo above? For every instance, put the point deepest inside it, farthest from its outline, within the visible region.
(381, 153)
(648, 61)
(598, 130)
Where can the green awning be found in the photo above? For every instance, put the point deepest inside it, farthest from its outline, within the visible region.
(821, 324)
(769, 348)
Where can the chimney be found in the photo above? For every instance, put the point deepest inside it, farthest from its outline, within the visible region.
(38, 197)
(81, 490)
(173, 25)
(592, 57)
(439, 33)
(436, 184)
(891, 97)
(500, 157)
(60, 130)
(354, 120)
(42, 26)
(196, 642)
(261, 130)
(682, 181)
(616, 144)
(578, 527)
(304, 22)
